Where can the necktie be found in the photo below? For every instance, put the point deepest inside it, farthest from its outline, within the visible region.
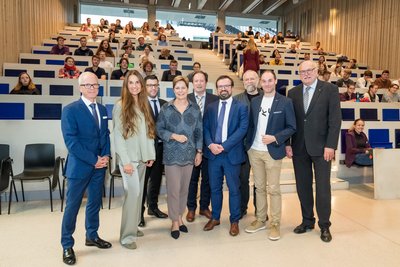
(305, 98)
(200, 103)
(94, 113)
(155, 108)
(218, 134)
(366, 83)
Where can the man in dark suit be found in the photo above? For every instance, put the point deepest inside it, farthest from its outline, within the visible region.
(318, 119)
(272, 123)
(153, 174)
(84, 125)
(203, 99)
(225, 126)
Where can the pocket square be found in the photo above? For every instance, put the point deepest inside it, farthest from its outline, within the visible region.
(105, 117)
(277, 112)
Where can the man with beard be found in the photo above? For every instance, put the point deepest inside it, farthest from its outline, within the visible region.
(225, 126)
(250, 82)
(203, 99)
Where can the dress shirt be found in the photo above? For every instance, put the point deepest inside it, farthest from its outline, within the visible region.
(310, 92)
(226, 117)
(152, 105)
(87, 103)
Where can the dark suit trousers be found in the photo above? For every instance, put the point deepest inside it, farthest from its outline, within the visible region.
(217, 168)
(205, 191)
(303, 169)
(152, 181)
(75, 191)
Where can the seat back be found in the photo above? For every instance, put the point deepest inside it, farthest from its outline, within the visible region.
(4, 151)
(5, 172)
(39, 157)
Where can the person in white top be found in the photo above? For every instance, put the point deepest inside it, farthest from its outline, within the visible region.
(107, 65)
(146, 53)
(94, 38)
(366, 80)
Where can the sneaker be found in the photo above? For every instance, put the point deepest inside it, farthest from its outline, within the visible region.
(139, 233)
(255, 227)
(274, 232)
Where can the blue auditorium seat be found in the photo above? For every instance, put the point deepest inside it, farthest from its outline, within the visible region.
(47, 111)
(296, 82)
(59, 62)
(115, 91)
(186, 67)
(369, 114)
(12, 111)
(109, 108)
(58, 89)
(164, 66)
(170, 92)
(285, 72)
(397, 138)
(348, 114)
(41, 52)
(379, 138)
(30, 61)
(13, 72)
(4, 88)
(343, 140)
(391, 114)
(184, 58)
(44, 73)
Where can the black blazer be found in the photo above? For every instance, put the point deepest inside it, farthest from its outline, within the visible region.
(320, 126)
(281, 124)
(209, 99)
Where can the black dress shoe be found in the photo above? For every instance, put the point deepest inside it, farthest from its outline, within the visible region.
(326, 235)
(175, 234)
(157, 212)
(69, 256)
(183, 228)
(302, 228)
(98, 242)
(142, 222)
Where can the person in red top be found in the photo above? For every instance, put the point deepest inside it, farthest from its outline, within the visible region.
(251, 57)
(69, 71)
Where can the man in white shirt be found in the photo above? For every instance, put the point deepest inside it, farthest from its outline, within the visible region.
(94, 38)
(107, 65)
(366, 80)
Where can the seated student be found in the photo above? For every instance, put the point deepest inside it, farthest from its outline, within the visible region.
(391, 96)
(100, 72)
(84, 28)
(274, 53)
(162, 40)
(128, 29)
(102, 27)
(105, 46)
(142, 45)
(358, 150)
(118, 25)
(383, 81)
(69, 71)
(292, 49)
(131, 65)
(60, 48)
(196, 68)
(274, 40)
(366, 80)
(352, 64)
(123, 69)
(349, 95)
(307, 56)
(165, 54)
(146, 53)
(94, 38)
(147, 69)
(128, 42)
(371, 95)
(336, 69)
(112, 39)
(345, 80)
(173, 71)
(83, 50)
(326, 76)
(280, 38)
(25, 86)
(106, 65)
(261, 59)
(318, 47)
(156, 26)
(277, 60)
(128, 50)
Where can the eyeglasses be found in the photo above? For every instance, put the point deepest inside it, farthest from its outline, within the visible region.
(88, 85)
(227, 86)
(309, 71)
(152, 85)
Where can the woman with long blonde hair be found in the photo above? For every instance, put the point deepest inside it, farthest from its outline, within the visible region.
(134, 133)
(251, 57)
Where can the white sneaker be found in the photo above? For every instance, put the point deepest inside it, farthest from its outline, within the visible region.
(255, 227)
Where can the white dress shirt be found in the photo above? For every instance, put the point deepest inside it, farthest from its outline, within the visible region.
(87, 103)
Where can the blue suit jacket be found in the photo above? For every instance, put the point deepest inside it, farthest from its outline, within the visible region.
(281, 123)
(238, 122)
(84, 140)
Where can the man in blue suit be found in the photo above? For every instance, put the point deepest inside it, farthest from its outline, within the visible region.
(84, 126)
(225, 126)
(272, 123)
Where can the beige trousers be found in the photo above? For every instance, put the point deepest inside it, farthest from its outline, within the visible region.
(266, 174)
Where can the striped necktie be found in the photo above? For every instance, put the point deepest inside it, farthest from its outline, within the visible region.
(306, 98)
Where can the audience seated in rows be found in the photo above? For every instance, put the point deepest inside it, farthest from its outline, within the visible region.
(83, 50)
(121, 72)
(391, 96)
(60, 48)
(366, 80)
(352, 64)
(142, 44)
(277, 60)
(345, 81)
(94, 38)
(25, 86)
(165, 54)
(383, 81)
(105, 46)
(371, 95)
(358, 150)
(69, 71)
(349, 95)
(98, 71)
(162, 40)
(112, 39)
(336, 69)
(173, 71)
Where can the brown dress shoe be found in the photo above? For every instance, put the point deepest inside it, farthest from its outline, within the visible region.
(190, 216)
(234, 231)
(206, 213)
(210, 225)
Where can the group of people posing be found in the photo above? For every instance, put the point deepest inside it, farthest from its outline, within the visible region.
(215, 135)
